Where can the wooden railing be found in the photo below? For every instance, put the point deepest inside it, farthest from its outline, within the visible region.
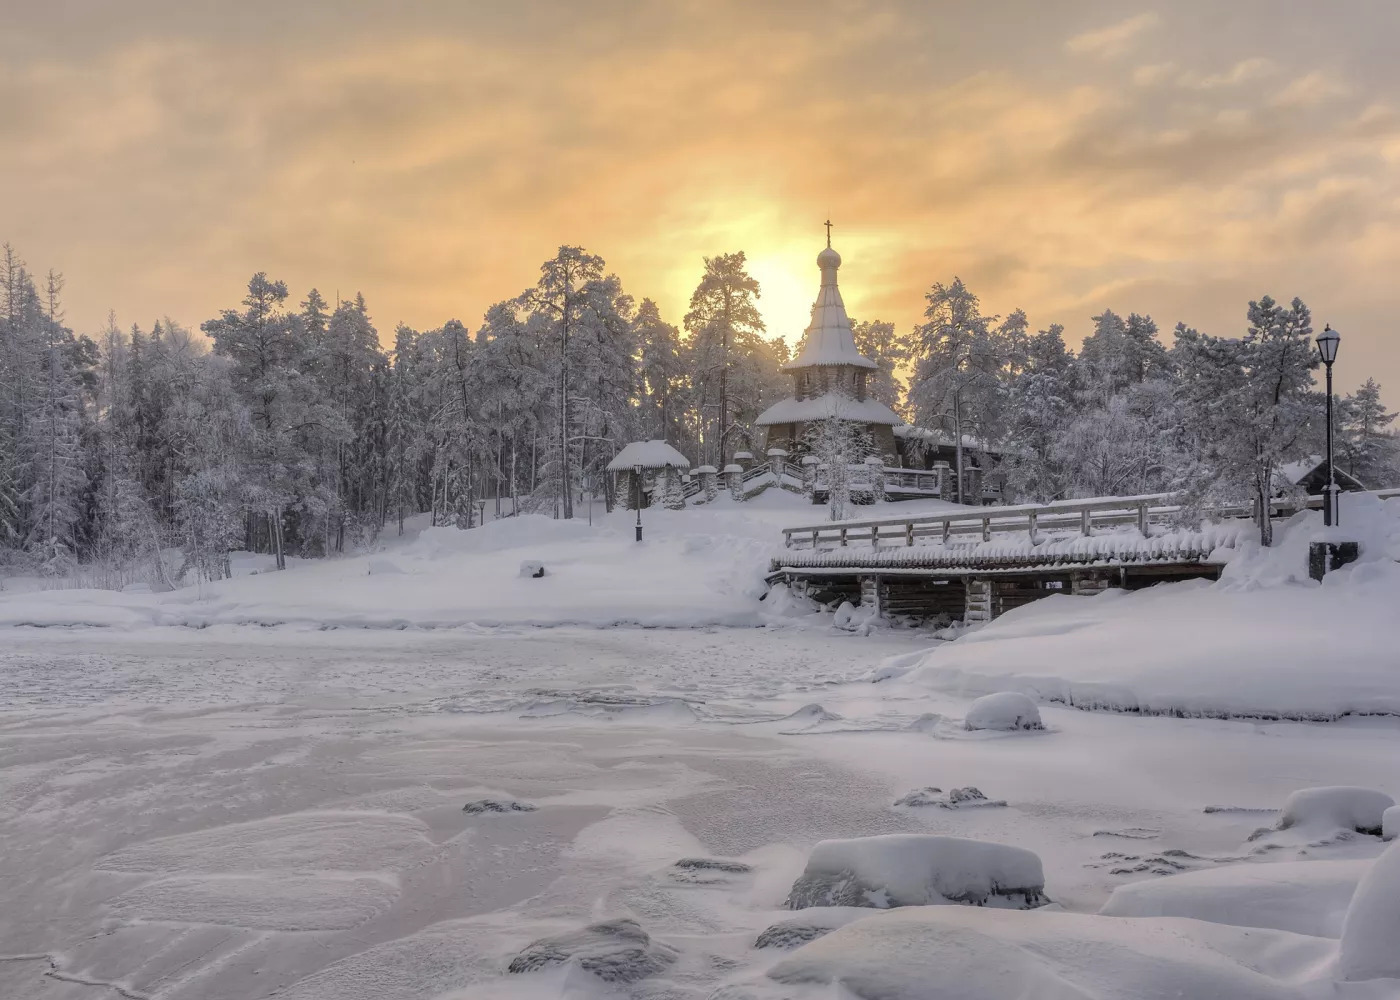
(1085, 515)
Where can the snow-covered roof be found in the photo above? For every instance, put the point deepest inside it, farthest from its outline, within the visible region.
(1293, 473)
(932, 437)
(732, 468)
(700, 469)
(832, 404)
(649, 455)
(828, 340)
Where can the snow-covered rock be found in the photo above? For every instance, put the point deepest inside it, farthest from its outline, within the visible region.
(808, 925)
(531, 569)
(1371, 934)
(984, 954)
(957, 798)
(1334, 807)
(486, 806)
(1390, 823)
(1004, 710)
(918, 870)
(616, 951)
(1305, 897)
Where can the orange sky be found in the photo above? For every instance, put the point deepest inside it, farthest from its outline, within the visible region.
(1060, 156)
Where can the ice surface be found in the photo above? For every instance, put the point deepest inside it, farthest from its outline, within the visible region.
(917, 870)
(1305, 897)
(1371, 934)
(281, 901)
(1004, 710)
(957, 798)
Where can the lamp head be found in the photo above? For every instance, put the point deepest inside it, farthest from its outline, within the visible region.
(1327, 342)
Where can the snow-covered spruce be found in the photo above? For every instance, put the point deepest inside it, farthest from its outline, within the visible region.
(493, 806)
(616, 951)
(918, 870)
(1004, 710)
(957, 798)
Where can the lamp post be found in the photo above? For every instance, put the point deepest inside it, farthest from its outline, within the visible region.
(637, 485)
(1327, 342)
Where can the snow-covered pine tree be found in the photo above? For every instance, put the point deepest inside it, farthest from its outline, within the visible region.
(725, 327)
(879, 342)
(1365, 448)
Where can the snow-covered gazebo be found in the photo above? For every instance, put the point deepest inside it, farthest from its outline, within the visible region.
(829, 375)
(649, 457)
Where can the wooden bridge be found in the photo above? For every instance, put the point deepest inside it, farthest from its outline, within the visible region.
(973, 564)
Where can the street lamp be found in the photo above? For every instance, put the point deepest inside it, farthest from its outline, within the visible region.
(637, 485)
(1327, 342)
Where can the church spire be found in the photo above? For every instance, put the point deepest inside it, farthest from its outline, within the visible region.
(829, 339)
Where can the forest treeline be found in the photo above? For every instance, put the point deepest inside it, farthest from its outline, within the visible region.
(289, 424)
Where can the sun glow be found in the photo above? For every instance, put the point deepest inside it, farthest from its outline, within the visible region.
(786, 296)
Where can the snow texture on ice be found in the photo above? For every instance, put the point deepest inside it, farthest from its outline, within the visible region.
(1005, 710)
(498, 806)
(1371, 934)
(616, 951)
(917, 870)
(281, 902)
(985, 954)
(1305, 897)
(808, 925)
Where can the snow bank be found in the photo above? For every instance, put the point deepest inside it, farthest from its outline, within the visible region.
(616, 951)
(1334, 807)
(1305, 897)
(1005, 710)
(918, 870)
(1253, 645)
(1390, 823)
(985, 954)
(1371, 935)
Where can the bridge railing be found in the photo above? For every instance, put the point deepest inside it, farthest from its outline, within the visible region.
(1141, 511)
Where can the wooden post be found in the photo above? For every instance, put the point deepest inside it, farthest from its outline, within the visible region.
(947, 530)
(986, 529)
(815, 533)
(909, 533)
(1030, 524)
(787, 539)
(1142, 519)
(978, 603)
(1084, 521)
(874, 536)
(843, 537)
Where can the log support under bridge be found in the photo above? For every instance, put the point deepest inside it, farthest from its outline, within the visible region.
(975, 597)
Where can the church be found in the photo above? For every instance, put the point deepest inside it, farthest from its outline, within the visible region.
(829, 375)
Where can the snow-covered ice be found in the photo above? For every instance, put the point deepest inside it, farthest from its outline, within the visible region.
(1004, 710)
(1372, 928)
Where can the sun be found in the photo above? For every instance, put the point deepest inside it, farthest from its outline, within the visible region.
(785, 295)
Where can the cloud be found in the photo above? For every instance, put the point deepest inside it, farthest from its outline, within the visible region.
(1115, 40)
(1311, 90)
(1242, 72)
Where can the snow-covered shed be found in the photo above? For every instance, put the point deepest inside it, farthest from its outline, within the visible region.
(829, 375)
(1310, 476)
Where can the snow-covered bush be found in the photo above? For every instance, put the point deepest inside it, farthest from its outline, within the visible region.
(1334, 807)
(918, 870)
(1004, 710)
(1371, 935)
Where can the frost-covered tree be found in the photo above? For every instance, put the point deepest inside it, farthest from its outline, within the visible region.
(662, 371)
(879, 342)
(1366, 449)
(1251, 402)
(960, 369)
(838, 446)
(726, 338)
(1040, 408)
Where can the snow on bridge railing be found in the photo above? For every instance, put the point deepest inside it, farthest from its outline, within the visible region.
(1142, 510)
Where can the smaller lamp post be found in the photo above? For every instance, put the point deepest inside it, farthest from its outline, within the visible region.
(637, 485)
(1327, 342)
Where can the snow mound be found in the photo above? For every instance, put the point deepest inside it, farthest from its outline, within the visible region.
(813, 714)
(958, 798)
(531, 569)
(811, 924)
(616, 951)
(1315, 811)
(918, 870)
(984, 954)
(1006, 711)
(382, 566)
(1305, 897)
(489, 806)
(1390, 823)
(1371, 934)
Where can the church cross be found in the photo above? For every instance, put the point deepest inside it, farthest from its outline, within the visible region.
(828, 233)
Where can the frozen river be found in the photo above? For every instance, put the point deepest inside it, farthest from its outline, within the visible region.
(242, 812)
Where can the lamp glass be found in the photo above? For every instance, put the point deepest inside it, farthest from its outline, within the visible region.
(1327, 342)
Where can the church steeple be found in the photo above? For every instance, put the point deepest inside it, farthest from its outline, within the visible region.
(829, 340)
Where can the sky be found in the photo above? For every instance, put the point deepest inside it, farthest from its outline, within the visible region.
(1061, 156)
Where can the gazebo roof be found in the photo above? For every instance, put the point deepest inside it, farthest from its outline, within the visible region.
(649, 455)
